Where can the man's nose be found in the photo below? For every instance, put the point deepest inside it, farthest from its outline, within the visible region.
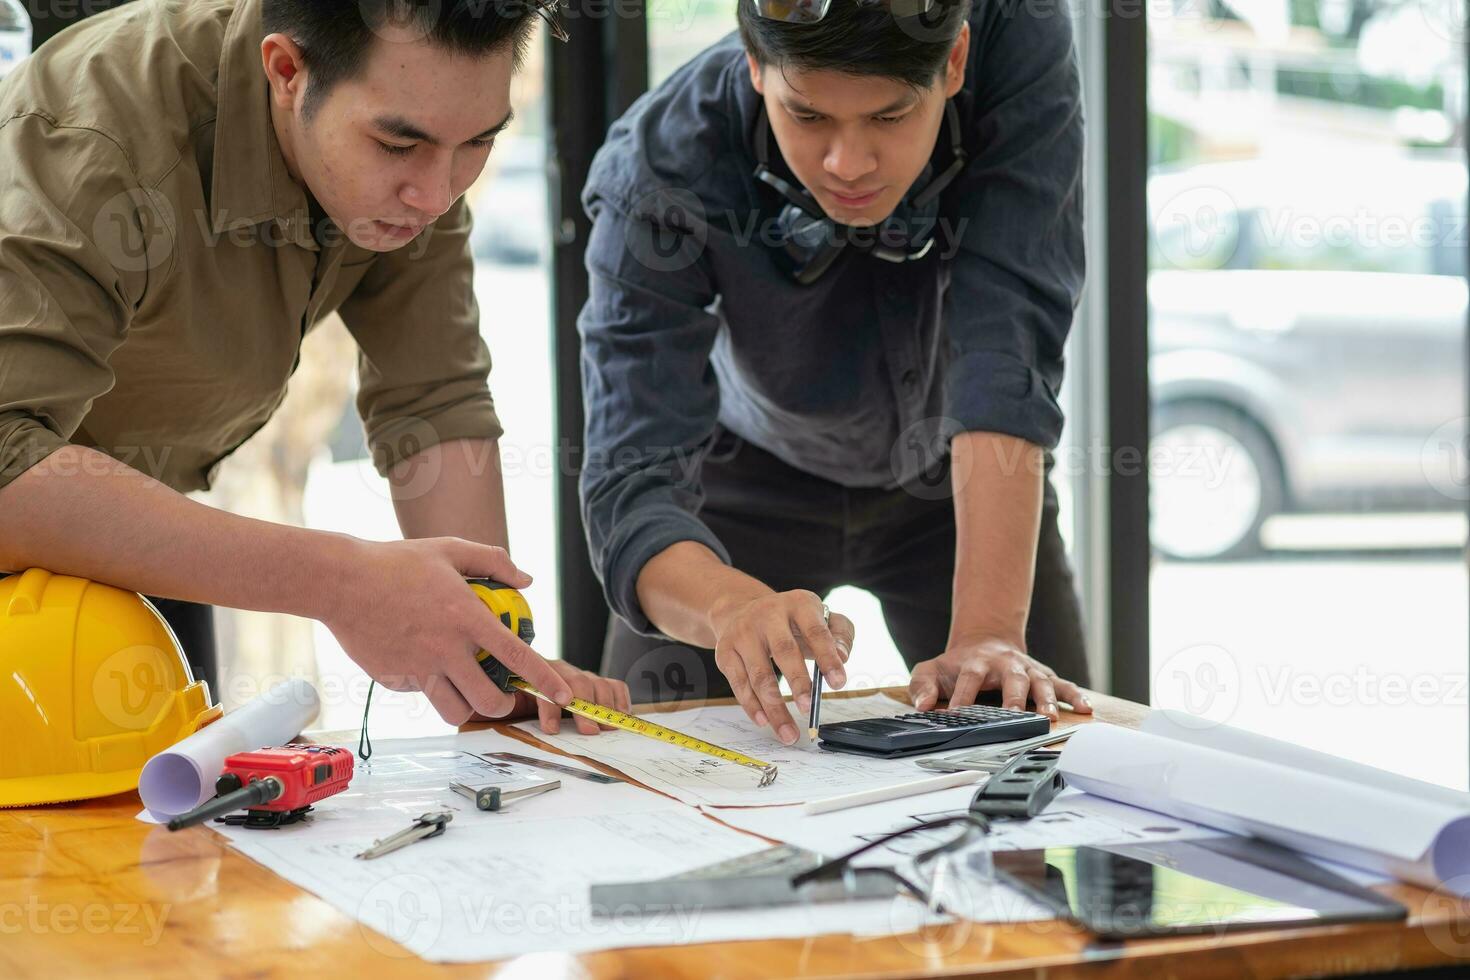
(850, 159)
(430, 192)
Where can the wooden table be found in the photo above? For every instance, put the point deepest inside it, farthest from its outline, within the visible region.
(85, 889)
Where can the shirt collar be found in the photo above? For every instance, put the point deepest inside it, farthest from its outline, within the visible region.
(251, 184)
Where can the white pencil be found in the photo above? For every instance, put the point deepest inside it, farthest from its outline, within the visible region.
(892, 792)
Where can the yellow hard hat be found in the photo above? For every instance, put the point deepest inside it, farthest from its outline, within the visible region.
(93, 684)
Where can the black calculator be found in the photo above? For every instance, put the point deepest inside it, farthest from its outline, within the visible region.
(931, 731)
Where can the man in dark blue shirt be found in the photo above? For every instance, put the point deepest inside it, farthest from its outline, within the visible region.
(834, 261)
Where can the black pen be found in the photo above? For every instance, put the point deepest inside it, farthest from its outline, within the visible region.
(816, 699)
(813, 720)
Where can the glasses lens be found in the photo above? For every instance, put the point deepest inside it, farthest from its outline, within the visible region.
(956, 875)
(918, 849)
(803, 231)
(549, 11)
(793, 11)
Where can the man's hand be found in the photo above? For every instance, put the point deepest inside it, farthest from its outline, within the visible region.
(588, 686)
(784, 628)
(403, 612)
(983, 663)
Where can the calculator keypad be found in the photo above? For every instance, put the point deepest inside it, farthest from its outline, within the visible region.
(968, 715)
(932, 731)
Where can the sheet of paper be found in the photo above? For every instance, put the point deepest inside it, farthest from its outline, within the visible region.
(806, 772)
(403, 780)
(502, 884)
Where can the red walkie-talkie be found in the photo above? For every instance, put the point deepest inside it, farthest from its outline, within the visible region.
(275, 786)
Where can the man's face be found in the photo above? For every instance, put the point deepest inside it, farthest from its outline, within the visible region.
(857, 143)
(387, 152)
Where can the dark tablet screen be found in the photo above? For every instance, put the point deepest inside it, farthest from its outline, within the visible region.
(1211, 885)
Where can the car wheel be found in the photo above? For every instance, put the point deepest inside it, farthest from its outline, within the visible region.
(1214, 480)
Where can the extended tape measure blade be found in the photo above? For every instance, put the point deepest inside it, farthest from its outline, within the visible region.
(650, 729)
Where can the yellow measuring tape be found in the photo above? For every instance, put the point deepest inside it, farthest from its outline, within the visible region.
(642, 726)
(515, 613)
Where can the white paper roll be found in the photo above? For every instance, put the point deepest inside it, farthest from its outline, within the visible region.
(182, 776)
(1250, 784)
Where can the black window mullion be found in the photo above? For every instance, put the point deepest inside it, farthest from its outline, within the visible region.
(1126, 154)
(593, 78)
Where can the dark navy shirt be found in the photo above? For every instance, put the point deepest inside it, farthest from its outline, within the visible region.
(860, 378)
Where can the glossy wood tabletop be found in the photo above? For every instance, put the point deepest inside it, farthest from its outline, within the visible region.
(86, 889)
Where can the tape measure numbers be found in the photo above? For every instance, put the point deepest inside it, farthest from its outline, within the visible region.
(513, 610)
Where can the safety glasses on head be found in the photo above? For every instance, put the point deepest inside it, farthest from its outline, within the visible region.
(812, 11)
(550, 12)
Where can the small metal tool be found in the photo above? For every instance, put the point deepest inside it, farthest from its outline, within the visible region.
(526, 760)
(426, 826)
(994, 758)
(494, 797)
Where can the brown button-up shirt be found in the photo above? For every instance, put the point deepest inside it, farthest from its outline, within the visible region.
(159, 267)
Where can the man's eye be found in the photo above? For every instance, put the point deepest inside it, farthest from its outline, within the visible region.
(394, 150)
(805, 117)
(481, 144)
(891, 119)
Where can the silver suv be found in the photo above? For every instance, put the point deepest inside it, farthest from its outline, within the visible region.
(1307, 343)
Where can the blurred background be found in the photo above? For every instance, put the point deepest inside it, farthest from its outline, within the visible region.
(1306, 358)
(1264, 470)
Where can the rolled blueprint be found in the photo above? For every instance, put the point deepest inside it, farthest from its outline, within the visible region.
(182, 777)
(1249, 784)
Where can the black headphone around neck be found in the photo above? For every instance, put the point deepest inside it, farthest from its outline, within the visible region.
(812, 241)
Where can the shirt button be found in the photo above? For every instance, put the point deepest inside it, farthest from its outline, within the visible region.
(910, 378)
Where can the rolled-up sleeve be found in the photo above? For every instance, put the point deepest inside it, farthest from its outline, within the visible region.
(75, 261)
(1017, 275)
(651, 397)
(423, 368)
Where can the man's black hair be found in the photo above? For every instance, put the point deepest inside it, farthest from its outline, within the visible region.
(334, 35)
(858, 39)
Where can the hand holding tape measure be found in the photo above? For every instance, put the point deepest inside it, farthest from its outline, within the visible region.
(515, 614)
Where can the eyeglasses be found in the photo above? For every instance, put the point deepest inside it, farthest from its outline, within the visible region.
(921, 876)
(549, 11)
(812, 11)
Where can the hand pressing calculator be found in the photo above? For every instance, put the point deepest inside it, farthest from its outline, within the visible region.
(931, 731)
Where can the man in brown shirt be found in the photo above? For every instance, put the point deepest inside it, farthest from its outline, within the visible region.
(188, 188)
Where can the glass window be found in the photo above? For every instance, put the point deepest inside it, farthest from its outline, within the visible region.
(680, 29)
(1307, 350)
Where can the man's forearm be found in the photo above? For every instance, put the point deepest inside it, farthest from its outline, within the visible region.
(683, 587)
(80, 512)
(997, 498)
(453, 489)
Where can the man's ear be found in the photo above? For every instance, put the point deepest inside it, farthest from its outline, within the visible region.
(756, 81)
(954, 67)
(285, 70)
